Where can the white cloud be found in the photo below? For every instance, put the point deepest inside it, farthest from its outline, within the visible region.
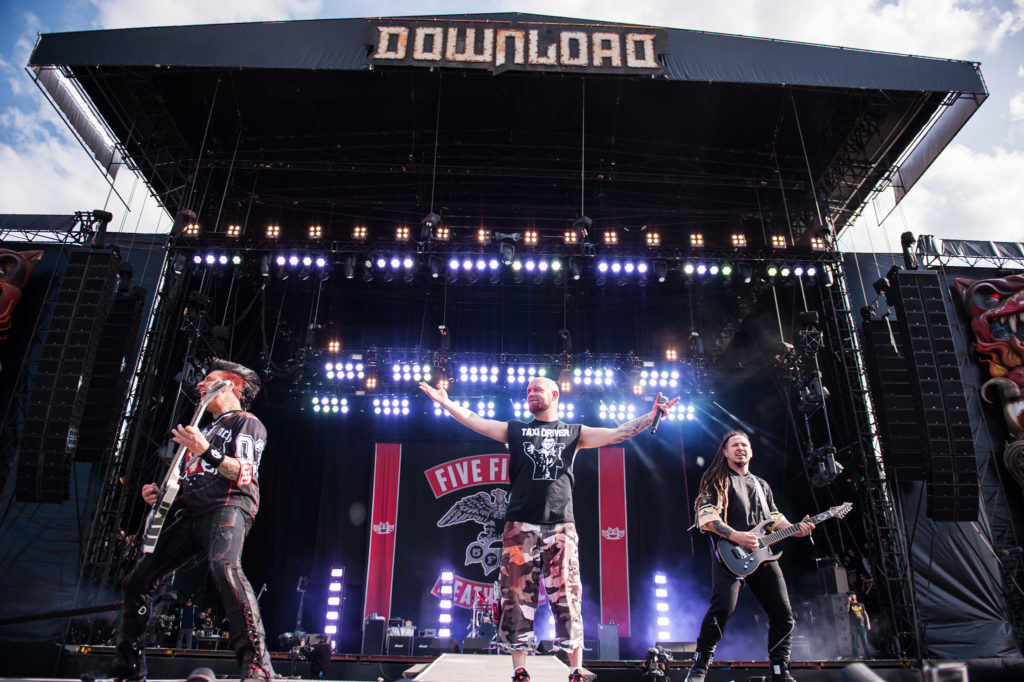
(130, 13)
(1017, 106)
(966, 194)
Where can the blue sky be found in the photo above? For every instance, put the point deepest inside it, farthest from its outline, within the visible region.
(972, 191)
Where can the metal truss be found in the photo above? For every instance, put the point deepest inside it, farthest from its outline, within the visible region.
(861, 450)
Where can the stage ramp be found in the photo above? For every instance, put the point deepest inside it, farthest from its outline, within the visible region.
(474, 667)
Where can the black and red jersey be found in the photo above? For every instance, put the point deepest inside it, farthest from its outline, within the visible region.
(235, 434)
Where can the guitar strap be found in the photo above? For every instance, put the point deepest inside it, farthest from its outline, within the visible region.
(761, 498)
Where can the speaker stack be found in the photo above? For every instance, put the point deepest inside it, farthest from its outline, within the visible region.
(49, 437)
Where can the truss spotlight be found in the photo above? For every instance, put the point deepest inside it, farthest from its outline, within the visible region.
(739, 240)
(798, 271)
(746, 272)
(273, 231)
(778, 241)
(582, 226)
(688, 268)
(530, 238)
(660, 270)
(726, 270)
(434, 264)
(191, 230)
(570, 237)
(402, 233)
(611, 237)
(427, 225)
(811, 271)
(696, 240)
(483, 235)
(702, 269)
(517, 272)
(785, 271)
(772, 271)
(507, 252)
(713, 269)
(315, 232)
(234, 231)
(652, 239)
(442, 233)
(575, 269)
(359, 233)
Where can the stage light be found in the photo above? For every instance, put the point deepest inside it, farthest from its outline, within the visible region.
(616, 267)
(273, 231)
(530, 265)
(236, 259)
(483, 235)
(191, 230)
(663, 621)
(334, 586)
(445, 618)
(359, 232)
(660, 270)
(575, 269)
(662, 606)
(293, 260)
(315, 232)
(333, 346)
(713, 269)
(611, 237)
(582, 225)
(447, 576)
(653, 239)
(811, 271)
(234, 231)
(570, 237)
(211, 259)
(696, 240)
(442, 234)
(517, 271)
(660, 579)
(331, 630)
(739, 240)
(784, 271)
(530, 237)
(702, 269)
(671, 354)
(334, 601)
(307, 261)
(778, 241)
(663, 636)
(746, 272)
(798, 271)
(331, 615)
(772, 270)
(817, 243)
(602, 266)
(446, 603)
(467, 263)
(688, 268)
(661, 593)
(726, 270)
(628, 267)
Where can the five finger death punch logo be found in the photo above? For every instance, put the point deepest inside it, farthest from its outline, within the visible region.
(611, 533)
(383, 528)
(486, 508)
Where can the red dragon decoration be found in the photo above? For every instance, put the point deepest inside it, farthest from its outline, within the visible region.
(15, 268)
(996, 309)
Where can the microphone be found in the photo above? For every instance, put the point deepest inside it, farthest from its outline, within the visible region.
(657, 416)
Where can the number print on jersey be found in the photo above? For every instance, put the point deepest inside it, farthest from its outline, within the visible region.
(248, 451)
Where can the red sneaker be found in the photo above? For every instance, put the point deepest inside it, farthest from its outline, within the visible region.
(520, 675)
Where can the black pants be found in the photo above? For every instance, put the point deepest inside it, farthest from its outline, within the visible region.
(221, 534)
(769, 587)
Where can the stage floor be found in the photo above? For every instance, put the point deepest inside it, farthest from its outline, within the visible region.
(177, 664)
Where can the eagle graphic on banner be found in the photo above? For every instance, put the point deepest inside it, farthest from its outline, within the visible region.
(487, 509)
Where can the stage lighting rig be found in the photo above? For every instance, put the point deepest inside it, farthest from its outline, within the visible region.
(822, 465)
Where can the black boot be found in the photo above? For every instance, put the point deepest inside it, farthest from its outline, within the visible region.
(129, 664)
(701, 660)
(780, 671)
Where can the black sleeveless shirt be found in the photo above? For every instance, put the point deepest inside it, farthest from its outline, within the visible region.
(541, 455)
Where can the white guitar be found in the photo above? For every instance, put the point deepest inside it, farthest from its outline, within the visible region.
(169, 488)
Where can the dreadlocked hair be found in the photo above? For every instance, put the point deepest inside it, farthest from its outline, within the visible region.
(716, 476)
(249, 380)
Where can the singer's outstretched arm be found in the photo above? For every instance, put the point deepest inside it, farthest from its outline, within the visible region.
(593, 437)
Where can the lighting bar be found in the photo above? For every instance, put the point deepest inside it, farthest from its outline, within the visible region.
(404, 371)
(359, 232)
(611, 237)
(590, 376)
(665, 378)
(316, 232)
(778, 241)
(442, 233)
(653, 239)
(350, 370)
(444, 618)
(191, 230)
(696, 240)
(524, 374)
(478, 374)
(817, 243)
(571, 237)
(530, 237)
(391, 406)
(330, 404)
(616, 412)
(273, 231)
(234, 231)
(441, 412)
(739, 240)
(671, 354)
(402, 233)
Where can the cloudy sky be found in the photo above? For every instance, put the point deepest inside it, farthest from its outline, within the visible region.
(973, 191)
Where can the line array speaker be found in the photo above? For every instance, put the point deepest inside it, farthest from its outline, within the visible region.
(952, 472)
(53, 415)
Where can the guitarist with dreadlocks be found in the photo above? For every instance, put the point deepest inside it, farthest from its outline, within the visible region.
(730, 502)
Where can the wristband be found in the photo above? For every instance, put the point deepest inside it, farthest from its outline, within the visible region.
(213, 457)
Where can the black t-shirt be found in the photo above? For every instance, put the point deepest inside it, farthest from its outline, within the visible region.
(236, 434)
(744, 509)
(541, 455)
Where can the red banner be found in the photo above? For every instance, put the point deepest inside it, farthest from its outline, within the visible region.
(614, 543)
(383, 526)
(467, 472)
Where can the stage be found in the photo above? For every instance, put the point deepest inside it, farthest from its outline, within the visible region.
(177, 664)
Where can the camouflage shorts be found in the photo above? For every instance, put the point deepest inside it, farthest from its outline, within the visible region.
(528, 551)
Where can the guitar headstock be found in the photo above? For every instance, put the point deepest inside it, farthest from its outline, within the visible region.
(214, 391)
(840, 510)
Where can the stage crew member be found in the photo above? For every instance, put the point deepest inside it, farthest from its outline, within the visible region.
(730, 502)
(214, 511)
(540, 532)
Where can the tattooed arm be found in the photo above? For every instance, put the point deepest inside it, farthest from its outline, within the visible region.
(592, 437)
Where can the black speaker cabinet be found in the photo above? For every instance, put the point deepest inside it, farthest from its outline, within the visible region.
(373, 636)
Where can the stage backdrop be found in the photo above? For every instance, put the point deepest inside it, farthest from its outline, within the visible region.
(437, 508)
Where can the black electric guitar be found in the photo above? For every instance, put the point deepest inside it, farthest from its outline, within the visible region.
(169, 488)
(742, 562)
